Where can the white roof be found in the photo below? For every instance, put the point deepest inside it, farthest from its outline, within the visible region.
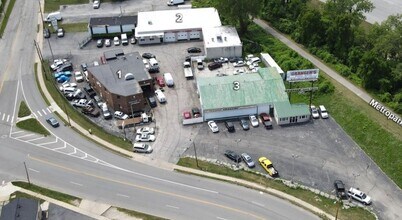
(223, 36)
(161, 21)
(271, 62)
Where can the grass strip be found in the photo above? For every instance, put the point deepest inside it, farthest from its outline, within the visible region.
(75, 27)
(23, 110)
(54, 5)
(139, 215)
(6, 17)
(33, 125)
(48, 192)
(328, 205)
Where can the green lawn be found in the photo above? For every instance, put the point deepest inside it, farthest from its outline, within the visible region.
(139, 215)
(33, 125)
(23, 110)
(75, 27)
(325, 204)
(54, 5)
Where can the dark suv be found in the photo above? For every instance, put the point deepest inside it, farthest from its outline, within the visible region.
(214, 66)
(340, 189)
(230, 126)
(233, 156)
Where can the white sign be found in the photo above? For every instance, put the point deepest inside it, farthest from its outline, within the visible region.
(302, 75)
(382, 109)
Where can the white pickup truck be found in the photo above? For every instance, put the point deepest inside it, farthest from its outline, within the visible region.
(188, 72)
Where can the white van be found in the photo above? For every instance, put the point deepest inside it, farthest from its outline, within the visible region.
(124, 40)
(160, 96)
(53, 15)
(153, 62)
(253, 60)
(142, 148)
(168, 79)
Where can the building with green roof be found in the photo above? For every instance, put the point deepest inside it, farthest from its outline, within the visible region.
(237, 96)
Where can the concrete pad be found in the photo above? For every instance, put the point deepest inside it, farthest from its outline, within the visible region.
(6, 189)
(94, 207)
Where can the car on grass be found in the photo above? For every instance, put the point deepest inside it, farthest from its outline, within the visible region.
(314, 112)
(268, 166)
(108, 43)
(120, 115)
(233, 156)
(340, 189)
(96, 4)
(146, 130)
(186, 115)
(244, 124)
(248, 160)
(213, 126)
(148, 55)
(99, 43)
(60, 32)
(53, 122)
(359, 196)
(323, 112)
(193, 50)
(145, 138)
(142, 148)
(253, 120)
(46, 33)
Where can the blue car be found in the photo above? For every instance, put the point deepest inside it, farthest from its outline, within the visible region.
(63, 79)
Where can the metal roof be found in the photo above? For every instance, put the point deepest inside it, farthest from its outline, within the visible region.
(112, 21)
(222, 36)
(285, 109)
(25, 209)
(263, 87)
(108, 74)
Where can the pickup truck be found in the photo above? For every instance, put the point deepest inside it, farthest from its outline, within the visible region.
(188, 72)
(91, 111)
(267, 165)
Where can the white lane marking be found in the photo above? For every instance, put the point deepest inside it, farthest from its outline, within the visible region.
(12, 119)
(44, 112)
(122, 195)
(78, 184)
(8, 117)
(48, 143)
(17, 132)
(33, 170)
(35, 139)
(61, 147)
(220, 218)
(27, 135)
(259, 204)
(174, 207)
(49, 110)
(4, 116)
(34, 115)
(39, 113)
(74, 152)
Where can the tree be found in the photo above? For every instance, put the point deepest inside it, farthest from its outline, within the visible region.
(355, 8)
(374, 72)
(310, 28)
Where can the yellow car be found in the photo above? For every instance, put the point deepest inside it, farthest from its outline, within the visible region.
(267, 165)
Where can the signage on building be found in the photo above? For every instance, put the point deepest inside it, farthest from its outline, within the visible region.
(302, 75)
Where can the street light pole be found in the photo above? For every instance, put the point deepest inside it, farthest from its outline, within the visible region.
(294, 156)
(123, 125)
(195, 153)
(26, 171)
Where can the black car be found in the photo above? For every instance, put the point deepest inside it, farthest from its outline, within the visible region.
(230, 126)
(267, 124)
(84, 66)
(65, 67)
(188, 58)
(214, 65)
(148, 55)
(196, 112)
(90, 91)
(152, 101)
(340, 189)
(244, 124)
(99, 43)
(194, 50)
(233, 156)
(53, 122)
(46, 32)
(153, 69)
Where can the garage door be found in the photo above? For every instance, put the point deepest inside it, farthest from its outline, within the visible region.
(263, 108)
(170, 37)
(195, 34)
(182, 36)
(235, 113)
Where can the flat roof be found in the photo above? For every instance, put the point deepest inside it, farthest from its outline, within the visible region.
(266, 86)
(271, 62)
(180, 19)
(25, 209)
(222, 36)
(111, 21)
(108, 74)
(285, 109)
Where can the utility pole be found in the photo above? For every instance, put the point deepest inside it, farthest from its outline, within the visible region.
(123, 125)
(65, 110)
(40, 58)
(26, 171)
(294, 156)
(195, 153)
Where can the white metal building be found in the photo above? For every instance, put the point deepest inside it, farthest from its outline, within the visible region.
(175, 25)
(270, 62)
(111, 26)
(222, 41)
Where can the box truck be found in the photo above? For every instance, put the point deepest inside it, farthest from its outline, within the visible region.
(175, 2)
(53, 16)
(168, 79)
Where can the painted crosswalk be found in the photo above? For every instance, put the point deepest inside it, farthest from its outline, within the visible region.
(6, 117)
(42, 112)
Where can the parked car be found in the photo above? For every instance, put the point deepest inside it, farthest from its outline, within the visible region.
(78, 76)
(212, 125)
(120, 115)
(46, 32)
(244, 124)
(116, 41)
(56, 64)
(99, 43)
(144, 138)
(53, 122)
(60, 32)
(107, 43)
(133, 40)
(214, 66)
(238, 72)
(248, 160)
(239, 64)
(340, 189)
(160, 81)
(314, 112)
(186, 115)
(79, 103)
(96, 4)
(253, 120)
(359, 196)
(323, 112)
(233, 156)
(194, 50)
(196, 112)
(146, 130)
(148, 55)
(84, 66)
(230, 126)
(267, 165)
(152, 101)
(91, 111)
(221, 60)
(142, 148)
(160, 96)
(65, 67)
(266, 120)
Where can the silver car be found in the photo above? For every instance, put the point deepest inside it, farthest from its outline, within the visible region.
(248, 160)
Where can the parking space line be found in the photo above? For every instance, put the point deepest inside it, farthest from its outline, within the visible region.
(44, 112)
(34, 115)
(39, 113)
(27, 135)
(12, 119)
(78, 184)
(33, 170)
(220, 218)
(8, 117)
(35, 139)
(48, 109)
(4, 116)
(122, 195)
(65, 145)
(17, 132)
(174, 207)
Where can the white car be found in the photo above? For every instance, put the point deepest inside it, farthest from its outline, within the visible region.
(67, 85)
(107, 43)
(78, 76)
(116, 41)
(96, 4)
(212, 125)
(238, 72)
(145, 130)
(314, 112)
(120, 115)
(79, 103)
(144, 138)
(239, 64)
(56, 64)
(253, 120)
(359, 196)
(323, 112)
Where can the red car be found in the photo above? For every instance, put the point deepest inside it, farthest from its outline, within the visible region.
(265, 117)
(160, 81)
(186, 115)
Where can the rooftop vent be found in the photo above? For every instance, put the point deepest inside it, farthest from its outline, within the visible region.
(150, 22)
(118, 74)
(225, 38)
(219, 38)
(129, 76)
